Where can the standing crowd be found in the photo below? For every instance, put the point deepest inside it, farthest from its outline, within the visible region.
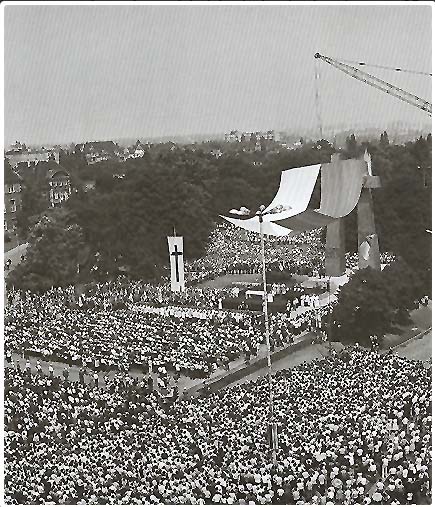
(353, 428)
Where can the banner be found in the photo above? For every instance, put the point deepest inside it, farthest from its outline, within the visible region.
(175, 244)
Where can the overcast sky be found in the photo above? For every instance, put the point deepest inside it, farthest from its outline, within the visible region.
(100, 72)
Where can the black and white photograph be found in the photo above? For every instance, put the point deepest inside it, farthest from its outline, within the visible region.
(217, 253)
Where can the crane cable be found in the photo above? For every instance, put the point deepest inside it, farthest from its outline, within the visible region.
(396, 69)
(317, 96)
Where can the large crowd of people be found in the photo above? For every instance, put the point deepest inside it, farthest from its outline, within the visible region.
(353, 428)
(236, 251)
(123, 324)
(122, 338)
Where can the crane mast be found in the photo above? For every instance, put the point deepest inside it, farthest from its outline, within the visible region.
(395, 91)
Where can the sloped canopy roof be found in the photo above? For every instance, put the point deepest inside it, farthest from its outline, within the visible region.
(341, 185)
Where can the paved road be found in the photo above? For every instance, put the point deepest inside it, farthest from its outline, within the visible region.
(292, 359)
(418, 348)
(421, 320)
(15, 256)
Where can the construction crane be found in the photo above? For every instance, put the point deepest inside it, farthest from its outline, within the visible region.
(415, 101)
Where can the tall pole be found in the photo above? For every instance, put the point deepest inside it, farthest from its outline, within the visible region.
(329, 315)
(266, 325)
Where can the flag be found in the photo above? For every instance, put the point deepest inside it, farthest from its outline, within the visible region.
(175, 244)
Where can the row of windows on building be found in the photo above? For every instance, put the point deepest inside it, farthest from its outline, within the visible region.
(58, 196)
(13, 188)
(12, 206)
(59, 183)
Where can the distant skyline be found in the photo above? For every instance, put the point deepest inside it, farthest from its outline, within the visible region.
(94, 72)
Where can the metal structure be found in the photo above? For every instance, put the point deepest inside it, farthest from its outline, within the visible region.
(260, 214)
(272, 427)
(388, 88)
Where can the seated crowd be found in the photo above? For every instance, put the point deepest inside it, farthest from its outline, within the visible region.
(236, 251)
(353, 428)
(120, 339)
(108, 329)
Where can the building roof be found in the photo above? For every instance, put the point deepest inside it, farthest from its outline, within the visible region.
(10, 175)
(44, 171)
(60, 172)
(99, 146)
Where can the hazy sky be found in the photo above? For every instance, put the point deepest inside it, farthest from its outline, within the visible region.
(100, 72)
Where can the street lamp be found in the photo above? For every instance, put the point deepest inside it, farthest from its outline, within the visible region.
(260, 214)
(329, 316)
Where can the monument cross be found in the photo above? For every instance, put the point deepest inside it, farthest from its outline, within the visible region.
(176, 254)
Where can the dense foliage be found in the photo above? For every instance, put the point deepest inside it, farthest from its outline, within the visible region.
(375, 303)
(55, 250)
(136, 204)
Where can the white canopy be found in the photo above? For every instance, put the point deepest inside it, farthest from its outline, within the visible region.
(295, 191)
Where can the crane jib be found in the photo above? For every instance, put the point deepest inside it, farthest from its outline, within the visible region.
(378, 83)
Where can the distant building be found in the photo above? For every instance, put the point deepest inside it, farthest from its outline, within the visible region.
(217, 153)
(19, 153)
(12, 197)
(138, 150)
(89, 185)
(236, 136)
(99, 151)
(60, 187)
(51, 180)
(233, 137)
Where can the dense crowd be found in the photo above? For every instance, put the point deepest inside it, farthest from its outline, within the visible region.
(121, 338)
(236, 251)
(124, 324)
(353, 428)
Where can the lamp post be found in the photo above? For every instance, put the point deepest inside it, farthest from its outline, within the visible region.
(329, 316)
(260, 214)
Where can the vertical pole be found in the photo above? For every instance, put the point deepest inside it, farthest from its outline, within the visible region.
(266, 325)
(329, 315)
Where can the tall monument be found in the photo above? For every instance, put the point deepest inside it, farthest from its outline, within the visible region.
(368, 244)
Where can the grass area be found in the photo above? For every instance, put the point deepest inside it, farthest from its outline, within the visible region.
(419, 348)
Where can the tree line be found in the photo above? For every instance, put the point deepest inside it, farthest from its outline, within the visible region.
(123, 222)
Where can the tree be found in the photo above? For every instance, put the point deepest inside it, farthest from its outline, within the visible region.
(51, 260)
(363, 308)
(33, 203)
